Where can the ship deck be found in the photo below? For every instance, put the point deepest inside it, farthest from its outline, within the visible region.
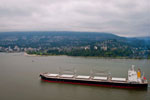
(87, 78)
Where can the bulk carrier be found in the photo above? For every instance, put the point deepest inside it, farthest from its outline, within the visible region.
(135, 80)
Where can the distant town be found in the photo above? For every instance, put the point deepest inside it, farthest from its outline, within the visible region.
(75, 44)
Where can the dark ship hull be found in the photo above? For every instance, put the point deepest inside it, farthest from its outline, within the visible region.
(96, 83)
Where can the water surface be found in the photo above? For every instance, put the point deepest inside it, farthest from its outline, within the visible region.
(19, 78)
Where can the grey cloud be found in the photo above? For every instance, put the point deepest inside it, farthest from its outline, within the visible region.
(122, 17)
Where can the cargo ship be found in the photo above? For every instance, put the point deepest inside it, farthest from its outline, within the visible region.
(135, 79)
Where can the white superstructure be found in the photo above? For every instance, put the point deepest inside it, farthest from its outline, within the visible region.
(132, 74)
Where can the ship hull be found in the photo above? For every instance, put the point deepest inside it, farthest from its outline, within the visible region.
(96, 83)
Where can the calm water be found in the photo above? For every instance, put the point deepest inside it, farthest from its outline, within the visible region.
(19, 78)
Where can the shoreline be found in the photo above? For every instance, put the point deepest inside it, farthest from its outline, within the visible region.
(34, 55)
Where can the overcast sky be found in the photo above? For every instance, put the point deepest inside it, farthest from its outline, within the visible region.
(122, 17)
